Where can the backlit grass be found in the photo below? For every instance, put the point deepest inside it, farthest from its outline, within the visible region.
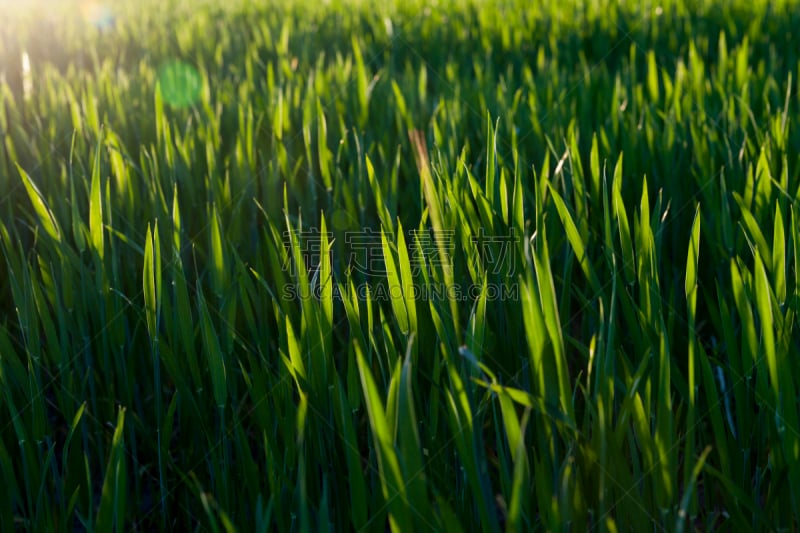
(189, 339)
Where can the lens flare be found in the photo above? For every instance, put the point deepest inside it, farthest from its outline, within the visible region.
(97, 14)
(180, 84)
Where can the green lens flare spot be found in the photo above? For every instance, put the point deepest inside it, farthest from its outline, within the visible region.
(180, 84)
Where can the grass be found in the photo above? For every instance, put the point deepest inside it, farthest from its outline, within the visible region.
(193, 336)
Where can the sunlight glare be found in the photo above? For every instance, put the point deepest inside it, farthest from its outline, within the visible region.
(97, 14)
(27, 78)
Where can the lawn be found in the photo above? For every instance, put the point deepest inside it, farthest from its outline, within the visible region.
(444, 265)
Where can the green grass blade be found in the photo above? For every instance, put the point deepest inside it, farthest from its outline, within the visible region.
(111, 512)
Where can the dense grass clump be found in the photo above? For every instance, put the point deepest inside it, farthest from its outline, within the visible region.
(427, 266)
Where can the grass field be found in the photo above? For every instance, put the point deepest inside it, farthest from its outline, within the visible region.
(301, 266)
